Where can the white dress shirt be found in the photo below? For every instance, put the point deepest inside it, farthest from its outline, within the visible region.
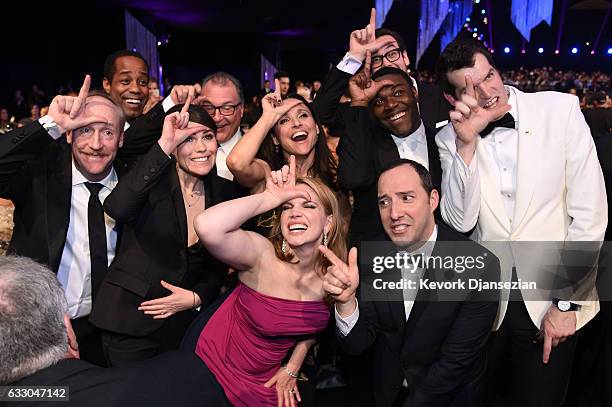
(502, 146)
(345, 325)
(222, 152)
(414, 146)
(74, 273)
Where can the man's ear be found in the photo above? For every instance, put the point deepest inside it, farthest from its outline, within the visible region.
(106, 85)
(73, 345)
(121, 139)
(434, 200)
(406, 59)
(449, 98)
(69, 136)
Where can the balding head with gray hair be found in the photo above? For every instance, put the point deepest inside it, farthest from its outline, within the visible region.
(33, 334)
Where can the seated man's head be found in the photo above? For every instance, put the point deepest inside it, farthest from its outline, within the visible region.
(395, 105)
(406, 202)
(35, 330)
(390, 51)
(94, 147)
(126, 80)
(463, 58)
(222, 97)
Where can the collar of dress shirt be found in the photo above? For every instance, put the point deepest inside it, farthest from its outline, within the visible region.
(109, 181)
(512, 103)
(412, 140)
(229, 144)
(427, 248)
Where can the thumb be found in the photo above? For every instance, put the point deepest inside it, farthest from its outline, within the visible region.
(352, 259)
(168, 286)
(270, 382)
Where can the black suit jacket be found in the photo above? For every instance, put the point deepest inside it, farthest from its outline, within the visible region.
(148, 203)
(176, 378)
(440, 349)
(432, 105)
(363, 152)
(36, 174)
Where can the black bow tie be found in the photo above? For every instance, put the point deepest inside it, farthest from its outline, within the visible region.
(506, 121)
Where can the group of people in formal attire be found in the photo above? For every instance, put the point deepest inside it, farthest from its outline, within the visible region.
(174, 260)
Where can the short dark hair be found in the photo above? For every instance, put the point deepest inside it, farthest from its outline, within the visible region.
(197, 114)
(281, 74)
(389, 70)
(398, 38)
(457, 55)
(109, 63)
(424, 175)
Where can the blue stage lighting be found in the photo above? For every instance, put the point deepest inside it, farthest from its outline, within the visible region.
(574, 50)
(609, 51)
(507, 50)
(540, 50)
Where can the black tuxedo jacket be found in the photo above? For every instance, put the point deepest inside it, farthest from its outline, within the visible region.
(432, 105)
(36, 174)
(148, 203)
(176, 378)
(440, 349)
(363, 152)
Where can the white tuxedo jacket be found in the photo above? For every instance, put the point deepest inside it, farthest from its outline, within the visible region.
(560, 193)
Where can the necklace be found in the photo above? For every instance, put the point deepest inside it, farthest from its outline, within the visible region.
(192, 194)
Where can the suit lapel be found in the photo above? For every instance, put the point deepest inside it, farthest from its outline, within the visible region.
(433, 157)
(527, 161)
(58, 194)
(179, 205)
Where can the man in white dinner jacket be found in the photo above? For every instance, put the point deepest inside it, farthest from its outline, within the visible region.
(520, 167)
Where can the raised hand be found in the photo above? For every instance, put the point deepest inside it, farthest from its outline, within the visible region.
(361, 86)
(281, 184)
(341, 280)
(68, 112)
(176, 129)
(273, 106)
(164, 307)
(469, 119)
(363, 40)
(181, 93)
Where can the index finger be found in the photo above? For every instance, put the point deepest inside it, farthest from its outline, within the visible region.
(277, 87)
(331, 256)
(368, 62)
(292, 164)
(469, 86)
(373, 19)
(188, 101)
(547, 348)
(78, 102)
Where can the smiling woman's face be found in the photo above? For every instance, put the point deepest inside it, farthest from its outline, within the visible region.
(196, 155)
(296, 131)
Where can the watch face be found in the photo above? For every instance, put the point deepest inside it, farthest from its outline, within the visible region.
(564, 305)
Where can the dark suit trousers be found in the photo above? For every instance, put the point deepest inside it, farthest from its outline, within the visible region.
(516, 375)
(89, 339)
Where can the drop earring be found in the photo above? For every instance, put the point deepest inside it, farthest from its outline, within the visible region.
(325, 241)
(284, 247)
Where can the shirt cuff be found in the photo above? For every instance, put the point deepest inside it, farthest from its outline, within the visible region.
(167, 104)
(349, 64)
(345, 325)
(50, 126)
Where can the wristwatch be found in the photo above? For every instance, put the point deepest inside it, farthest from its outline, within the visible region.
(565, 306)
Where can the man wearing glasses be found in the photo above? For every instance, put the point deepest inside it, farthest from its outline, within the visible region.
(388, 49)
(223, 99)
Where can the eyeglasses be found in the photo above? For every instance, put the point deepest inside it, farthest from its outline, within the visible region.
(391, 56)
(225, 110)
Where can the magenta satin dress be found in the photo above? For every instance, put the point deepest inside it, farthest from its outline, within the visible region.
(246, 338)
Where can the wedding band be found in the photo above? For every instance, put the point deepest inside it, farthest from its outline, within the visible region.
(291, 391)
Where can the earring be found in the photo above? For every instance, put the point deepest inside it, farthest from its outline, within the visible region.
(284, 247)
(277, 148)
(325, 241)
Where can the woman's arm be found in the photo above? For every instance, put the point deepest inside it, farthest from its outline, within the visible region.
(248, 170)
(219, 230)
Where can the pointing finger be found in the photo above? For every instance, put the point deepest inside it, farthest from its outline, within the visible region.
(372, 22)
(469, 86)
(80, 100)
(185, 108)
(331, 256)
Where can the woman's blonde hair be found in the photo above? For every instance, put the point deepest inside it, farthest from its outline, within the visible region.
(336, 240)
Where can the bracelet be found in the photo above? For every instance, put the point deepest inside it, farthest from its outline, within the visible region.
(292, 374)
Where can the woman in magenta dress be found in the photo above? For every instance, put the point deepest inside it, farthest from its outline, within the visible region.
(278, 304)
